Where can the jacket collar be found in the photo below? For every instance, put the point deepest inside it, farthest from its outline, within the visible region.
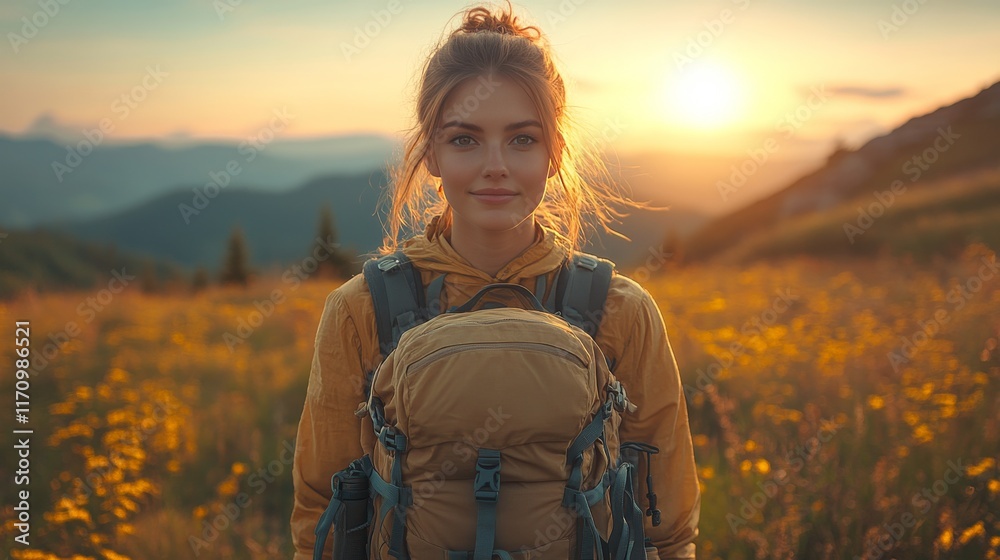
(432, 251)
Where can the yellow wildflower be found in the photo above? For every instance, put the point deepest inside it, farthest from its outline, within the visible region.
(980, 467)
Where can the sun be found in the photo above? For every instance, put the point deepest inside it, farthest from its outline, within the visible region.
(705, 96)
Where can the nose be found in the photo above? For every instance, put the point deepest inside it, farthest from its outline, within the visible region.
(495, 165)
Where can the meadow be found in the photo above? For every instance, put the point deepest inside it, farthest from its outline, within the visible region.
(839, 408)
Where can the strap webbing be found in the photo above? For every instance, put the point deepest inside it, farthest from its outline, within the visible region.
(435, 305)
(487, 491)
(397, 296)
(581, 290)
(334, 512)
(590, 434)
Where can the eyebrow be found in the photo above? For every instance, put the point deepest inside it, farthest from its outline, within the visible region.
(477, 128)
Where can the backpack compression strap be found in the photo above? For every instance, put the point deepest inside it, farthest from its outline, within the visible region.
(397, 295)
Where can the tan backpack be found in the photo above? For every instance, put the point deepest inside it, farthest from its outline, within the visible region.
(496, 429)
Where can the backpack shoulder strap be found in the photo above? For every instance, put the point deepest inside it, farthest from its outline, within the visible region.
(397, 295)
(581, 290)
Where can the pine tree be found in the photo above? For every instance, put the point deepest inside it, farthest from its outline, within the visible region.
(674, 247)
(200, 279)
(337, 264)
(236, 265)
(149, 281)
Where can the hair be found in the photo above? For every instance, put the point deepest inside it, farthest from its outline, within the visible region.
(485, 43)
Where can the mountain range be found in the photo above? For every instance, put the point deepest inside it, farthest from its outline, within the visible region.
(178, 201)
(55, 180)
(939, 168)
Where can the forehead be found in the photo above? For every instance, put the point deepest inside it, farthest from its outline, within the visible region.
(488, 99)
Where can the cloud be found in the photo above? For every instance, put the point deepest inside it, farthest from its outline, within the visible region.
(867, 92)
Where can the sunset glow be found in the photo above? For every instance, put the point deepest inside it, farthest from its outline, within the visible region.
(704, 96)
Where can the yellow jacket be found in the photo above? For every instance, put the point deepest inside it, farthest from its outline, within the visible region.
(632, 334)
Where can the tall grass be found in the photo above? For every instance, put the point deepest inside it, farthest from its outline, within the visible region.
(812, 439)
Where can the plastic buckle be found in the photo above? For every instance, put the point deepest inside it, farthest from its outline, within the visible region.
(616, 393)
(586, 262)
(388, 263)
(391, 439)
(607, 407)
(487, 483)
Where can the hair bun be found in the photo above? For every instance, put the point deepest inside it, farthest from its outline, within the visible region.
(481, 19)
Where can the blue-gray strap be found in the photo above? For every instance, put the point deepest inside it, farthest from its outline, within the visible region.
(637, 529)
(590, 434)
(581, 290)
(620, 542)
(326, 520)
(358, 467)
(397, 297)
(590, 538)
(435, 305)
(487, 491)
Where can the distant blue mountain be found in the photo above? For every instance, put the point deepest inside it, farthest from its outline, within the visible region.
(45, 181)
(280, 227)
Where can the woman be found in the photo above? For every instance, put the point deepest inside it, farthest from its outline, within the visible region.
(495, 176)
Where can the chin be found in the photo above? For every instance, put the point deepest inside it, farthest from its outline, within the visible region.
(498, 221)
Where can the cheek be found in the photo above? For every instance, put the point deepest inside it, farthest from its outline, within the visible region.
(457, 168)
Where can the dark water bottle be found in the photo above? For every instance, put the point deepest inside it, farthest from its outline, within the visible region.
(350, 535)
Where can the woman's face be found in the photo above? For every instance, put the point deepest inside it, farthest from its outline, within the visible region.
(489, 152)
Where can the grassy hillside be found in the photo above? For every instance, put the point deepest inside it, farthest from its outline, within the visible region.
(926, 152)
(45, 261)
(936, 220)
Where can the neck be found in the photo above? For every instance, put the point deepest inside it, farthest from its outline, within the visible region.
(490, 252)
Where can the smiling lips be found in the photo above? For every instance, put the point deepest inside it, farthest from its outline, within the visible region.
(493, 196)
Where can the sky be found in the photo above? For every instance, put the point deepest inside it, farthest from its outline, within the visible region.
(706, 77)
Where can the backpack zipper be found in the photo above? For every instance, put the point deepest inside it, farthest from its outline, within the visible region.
(528, 346)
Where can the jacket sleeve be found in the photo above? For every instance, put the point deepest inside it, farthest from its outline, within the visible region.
(328, 433)
(647, 369)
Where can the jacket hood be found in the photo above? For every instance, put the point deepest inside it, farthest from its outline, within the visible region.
(433, 252)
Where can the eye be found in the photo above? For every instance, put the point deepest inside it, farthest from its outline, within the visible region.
(460, 140)
(527, 140)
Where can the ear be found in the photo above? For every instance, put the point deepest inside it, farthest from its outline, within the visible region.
(430, 161)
